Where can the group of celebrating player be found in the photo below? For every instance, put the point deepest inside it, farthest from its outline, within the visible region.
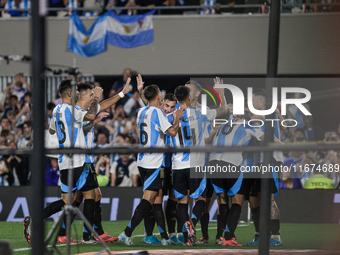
(175, 120)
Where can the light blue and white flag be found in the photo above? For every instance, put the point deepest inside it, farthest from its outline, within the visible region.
(87, 43)
(127, 31)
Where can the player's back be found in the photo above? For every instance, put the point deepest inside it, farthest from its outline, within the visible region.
(233, 135)
(62, 124)
(152, 124)
(192, 132)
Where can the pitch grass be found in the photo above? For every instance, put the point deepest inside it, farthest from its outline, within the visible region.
(294, 236)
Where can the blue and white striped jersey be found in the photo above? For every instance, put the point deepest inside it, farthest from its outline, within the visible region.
(167, 142)
(277, 155)
(89, 138)
(235, 135)
(192, 132)
(152, 124)
(24, 4)
(61, 124)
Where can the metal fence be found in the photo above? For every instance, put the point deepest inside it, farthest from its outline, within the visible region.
(51, 83)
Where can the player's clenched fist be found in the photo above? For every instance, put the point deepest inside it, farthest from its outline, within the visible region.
(97, 91)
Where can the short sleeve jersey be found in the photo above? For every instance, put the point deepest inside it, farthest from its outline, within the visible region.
(62, 124)
(89, 138)
(192, 132)
(152, 124)
(233, 135)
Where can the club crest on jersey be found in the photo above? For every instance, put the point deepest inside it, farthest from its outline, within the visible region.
(58, 115)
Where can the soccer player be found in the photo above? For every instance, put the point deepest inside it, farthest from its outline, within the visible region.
(232, 185)
(259, 102)
(152, 124)
(195, 90)
(168, 106)
(61, 124)
(84, 102)
(192, 132)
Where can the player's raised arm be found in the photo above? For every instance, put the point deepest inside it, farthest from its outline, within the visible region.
(172, 131)
(223, 108)
(140, 86)
(112, 100)
(92, 112)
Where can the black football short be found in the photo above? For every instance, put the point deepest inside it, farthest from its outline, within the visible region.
(84, 178)
(182, 183)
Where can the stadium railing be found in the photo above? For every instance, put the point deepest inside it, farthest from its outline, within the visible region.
(263, 8)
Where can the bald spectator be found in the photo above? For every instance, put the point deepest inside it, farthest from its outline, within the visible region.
(119, 85)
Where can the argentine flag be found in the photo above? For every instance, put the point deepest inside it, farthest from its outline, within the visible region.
(87, 43)
(127, 31)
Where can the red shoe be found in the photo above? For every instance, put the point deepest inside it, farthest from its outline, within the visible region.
(107, 238)
(27, 228)
(231, 242)
(63, 239)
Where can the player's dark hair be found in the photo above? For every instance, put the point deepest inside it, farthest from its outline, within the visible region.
(182, 93)
(259, 92)
(64, 87)
(196, 83)
(170, 97)
(83, 87)
(151, 91)
(50, 106)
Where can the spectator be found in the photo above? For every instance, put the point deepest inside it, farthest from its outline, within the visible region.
(312, 132)
(52, 172)
(298, 135)
(3, 143)
(133, 104)
(170, 11)
(119, 85)
(28, 98)
(331, 137)
(13, 105)
(5, 124)
(18, 86)
(27, 140)
(151, 4)
(102, 139)
(17, 4)
(55, 4)
(50, 107)
(318, 181)
(124, 172)
(117, 124)
(121, 3)
(103, 170)
(304, 168)
(290, 166)
(24, 114)
(18, 164)
(6, 175)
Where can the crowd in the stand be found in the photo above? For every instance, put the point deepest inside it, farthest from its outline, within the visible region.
(302, 168)
(11, 7)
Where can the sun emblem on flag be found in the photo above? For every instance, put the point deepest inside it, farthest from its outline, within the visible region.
(127, 29)
(86, 39)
